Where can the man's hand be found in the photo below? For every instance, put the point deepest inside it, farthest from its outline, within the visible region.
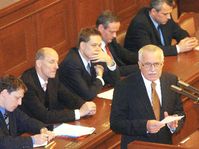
(101, 56)
(49, 134)
(187, 44)
(153, 126)
(88, 108)
(99, 69)
(171, 125)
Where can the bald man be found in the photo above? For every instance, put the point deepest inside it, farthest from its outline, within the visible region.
(47, 99)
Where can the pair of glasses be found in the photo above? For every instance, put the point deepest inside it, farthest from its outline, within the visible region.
(150, 65)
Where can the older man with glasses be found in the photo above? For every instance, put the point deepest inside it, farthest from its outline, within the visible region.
(143, 99)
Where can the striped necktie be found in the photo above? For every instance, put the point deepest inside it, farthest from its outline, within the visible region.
(161, 35)
(6, 118)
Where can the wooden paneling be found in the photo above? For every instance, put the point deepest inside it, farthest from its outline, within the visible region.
(28, 25)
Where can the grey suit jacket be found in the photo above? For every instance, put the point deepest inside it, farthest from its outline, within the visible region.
(131, 109)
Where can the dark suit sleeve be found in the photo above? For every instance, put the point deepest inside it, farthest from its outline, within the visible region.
(73, 75)
(119, 121)
(10, 142)
(125, 55)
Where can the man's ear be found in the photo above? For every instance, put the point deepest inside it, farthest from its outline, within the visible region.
(100, 27)
(4, 92)
(38, 63)
(82, 45)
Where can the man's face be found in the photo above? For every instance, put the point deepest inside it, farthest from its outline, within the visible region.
(90, 48)
(163, 15)
(109, 33)
(13, 99)
(49, 65)
(151, 65)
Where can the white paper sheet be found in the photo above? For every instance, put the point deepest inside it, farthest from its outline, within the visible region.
(169, 119)
(107, 94)
(72, 130)
(39, 145)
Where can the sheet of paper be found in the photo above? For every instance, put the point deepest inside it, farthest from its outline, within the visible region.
(107, 94)
(196, 48)
(169, 119)
(39, 145)
(72, 130)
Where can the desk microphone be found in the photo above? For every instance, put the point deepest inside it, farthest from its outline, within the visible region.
(185, 93)
(188, 87)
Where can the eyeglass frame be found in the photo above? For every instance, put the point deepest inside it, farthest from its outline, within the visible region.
(148, 65)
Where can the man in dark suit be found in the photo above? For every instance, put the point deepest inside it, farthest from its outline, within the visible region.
(47, 99)
(108, 24)
(14, 122)
(154, 25)
(137, 109)
(86, 69)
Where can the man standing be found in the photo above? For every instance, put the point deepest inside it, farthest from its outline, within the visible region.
(86, 69)
(143, 99)
(14, 122)
(154, 25)
(47, 99)
(108, 25)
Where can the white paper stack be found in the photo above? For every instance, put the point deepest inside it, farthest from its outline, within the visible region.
(72, 130)
(107, 94)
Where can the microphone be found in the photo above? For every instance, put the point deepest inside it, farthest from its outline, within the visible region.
(188, 87)
(185, 93)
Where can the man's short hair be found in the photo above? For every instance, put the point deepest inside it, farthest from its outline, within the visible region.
(157, 4)
(150, 48)
(11, 83)
(106, 17)
(85, 33)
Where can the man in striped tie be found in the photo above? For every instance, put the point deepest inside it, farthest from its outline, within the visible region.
(13, 121)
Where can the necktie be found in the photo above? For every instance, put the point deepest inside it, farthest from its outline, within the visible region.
(108, 50)
(161, 35)
(6, 118)
(44, 86)
(155, 101)
(88, 68)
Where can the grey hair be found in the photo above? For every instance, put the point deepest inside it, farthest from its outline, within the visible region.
(157, 4)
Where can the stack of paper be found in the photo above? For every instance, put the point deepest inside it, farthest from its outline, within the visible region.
(72, 130)
(169, 119)
(107, 95)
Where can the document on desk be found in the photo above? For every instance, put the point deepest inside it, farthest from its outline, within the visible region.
(107, 94)
(72, 130)
(39, 145)
(169, 119)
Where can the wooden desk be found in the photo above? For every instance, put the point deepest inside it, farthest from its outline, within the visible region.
(103, 136)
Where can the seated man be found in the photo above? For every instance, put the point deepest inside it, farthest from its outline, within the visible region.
(108, 25)
(154, 25)
(86, 69)
(47, 99)
(143, 99)
(14, 122)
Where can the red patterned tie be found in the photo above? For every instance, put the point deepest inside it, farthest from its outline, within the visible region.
(108, 50)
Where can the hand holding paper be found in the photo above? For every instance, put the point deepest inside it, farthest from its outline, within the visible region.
(169, 119)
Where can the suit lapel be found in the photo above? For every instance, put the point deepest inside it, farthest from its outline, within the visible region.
(144, 99)
(3, 124)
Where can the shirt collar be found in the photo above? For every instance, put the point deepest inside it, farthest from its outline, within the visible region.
(85, 62)
(103, 46)
(154, 22)
(42, 81)
(2, 110)
(147, 82)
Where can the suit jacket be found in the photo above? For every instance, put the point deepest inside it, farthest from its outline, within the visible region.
(19, 123)
(55, 105)
(75, 77)
(125, 60)
(131, 108)
(142, 31)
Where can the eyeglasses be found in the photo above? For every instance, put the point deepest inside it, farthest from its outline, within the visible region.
(149, 65)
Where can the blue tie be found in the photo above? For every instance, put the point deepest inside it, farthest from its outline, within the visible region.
(160, 34)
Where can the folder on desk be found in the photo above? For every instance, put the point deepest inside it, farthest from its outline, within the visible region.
(72, 130)
(107, 94)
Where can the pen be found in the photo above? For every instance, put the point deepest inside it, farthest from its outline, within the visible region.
(51, 143)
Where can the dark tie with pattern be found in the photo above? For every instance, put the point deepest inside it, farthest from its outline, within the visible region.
(155, 101)
(6, 118)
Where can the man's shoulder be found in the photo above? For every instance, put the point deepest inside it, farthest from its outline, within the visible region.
(28, 73)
